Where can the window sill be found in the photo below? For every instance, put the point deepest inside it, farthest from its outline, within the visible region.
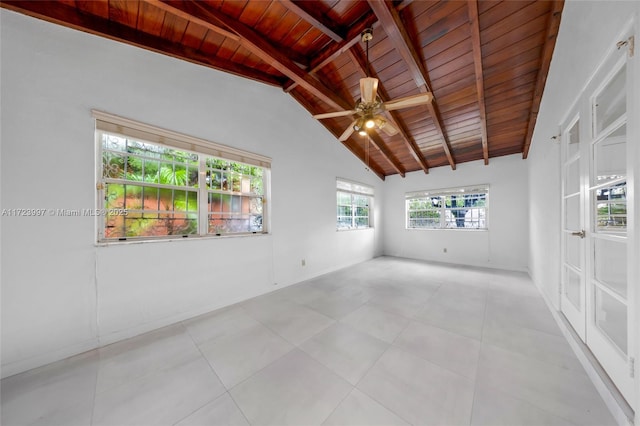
(181, 239)
(449, 229)
(354, 229)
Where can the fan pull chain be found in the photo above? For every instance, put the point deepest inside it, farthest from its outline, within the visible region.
(366, 151)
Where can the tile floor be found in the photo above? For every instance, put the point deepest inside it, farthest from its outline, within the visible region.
(385, 342)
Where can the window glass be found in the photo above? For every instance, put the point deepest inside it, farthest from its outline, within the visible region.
(461, 208)
(150, 190)
(353, 205)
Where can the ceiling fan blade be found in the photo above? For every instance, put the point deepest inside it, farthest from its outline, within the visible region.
(368, 89)
(348, 131)
(409, 101)
(334, 114)
(389, 129)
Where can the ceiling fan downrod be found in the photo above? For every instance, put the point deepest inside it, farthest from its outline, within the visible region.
(367, 35)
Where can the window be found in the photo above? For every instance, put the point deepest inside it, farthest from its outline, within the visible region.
(151, 187)
(460, 208)
(354, 203)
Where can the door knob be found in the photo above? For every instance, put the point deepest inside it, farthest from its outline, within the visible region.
(580, 234)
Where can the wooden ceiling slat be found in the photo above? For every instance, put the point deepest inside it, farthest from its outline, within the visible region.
(464, 79)
(514, 76)
(477, 62)
(436, 22)
(124, 12)
(461, 62)
(318, 21)
(513, 55)
(99, 8)
(173, 28)
(442, 44)
(453, 52)
(194, 36)
(151, 19)
(529, 29)
(236, 8)
(493, 11)
(514, 21)
(501, 91)
(250, 16)
(392, 25)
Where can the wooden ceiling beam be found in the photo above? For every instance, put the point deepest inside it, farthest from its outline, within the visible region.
(296, 57)
(319, 21)
(359, 61)
(472, 7)
(331, 54)
(553, 24)
(62, 14)
(181, 14)
(259, 46)
(392, 24)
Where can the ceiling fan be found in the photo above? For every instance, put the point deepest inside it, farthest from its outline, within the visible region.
(369, 110)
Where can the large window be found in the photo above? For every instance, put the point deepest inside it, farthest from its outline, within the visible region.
(150, 190)
(354, 203)
(460, 208)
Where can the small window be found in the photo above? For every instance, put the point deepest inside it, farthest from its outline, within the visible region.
(454, 208)
(151, 190)
(354, 203)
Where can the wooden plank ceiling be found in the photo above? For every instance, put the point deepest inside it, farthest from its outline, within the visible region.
(485, 62)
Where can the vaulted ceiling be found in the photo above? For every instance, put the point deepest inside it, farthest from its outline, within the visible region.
(485, 62)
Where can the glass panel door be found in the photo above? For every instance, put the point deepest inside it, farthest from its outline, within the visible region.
(609, 311)
(599, 274)
(573, 299)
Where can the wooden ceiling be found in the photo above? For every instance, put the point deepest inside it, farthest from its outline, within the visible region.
(485, 62)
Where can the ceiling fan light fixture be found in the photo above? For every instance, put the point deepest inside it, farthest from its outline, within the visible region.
(369, 122)
(360, 127)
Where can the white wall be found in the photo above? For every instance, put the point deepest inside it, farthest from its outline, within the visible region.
(61, 294)
(504, 245)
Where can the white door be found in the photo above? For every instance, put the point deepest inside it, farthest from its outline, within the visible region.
(596, 294)
(573, 300)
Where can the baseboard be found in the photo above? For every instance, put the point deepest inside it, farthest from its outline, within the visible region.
(23, 365)
(612, 398)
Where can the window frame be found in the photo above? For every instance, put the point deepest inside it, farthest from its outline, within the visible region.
(355, 191)
(442, 209)
(204, 150)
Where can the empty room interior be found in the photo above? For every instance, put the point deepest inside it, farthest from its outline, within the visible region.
(337, 212)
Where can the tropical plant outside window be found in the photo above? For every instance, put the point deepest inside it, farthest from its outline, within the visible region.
(152, 191)
(459, 208)
(353, 205)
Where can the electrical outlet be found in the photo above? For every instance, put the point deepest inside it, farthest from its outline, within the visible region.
(303, 262)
